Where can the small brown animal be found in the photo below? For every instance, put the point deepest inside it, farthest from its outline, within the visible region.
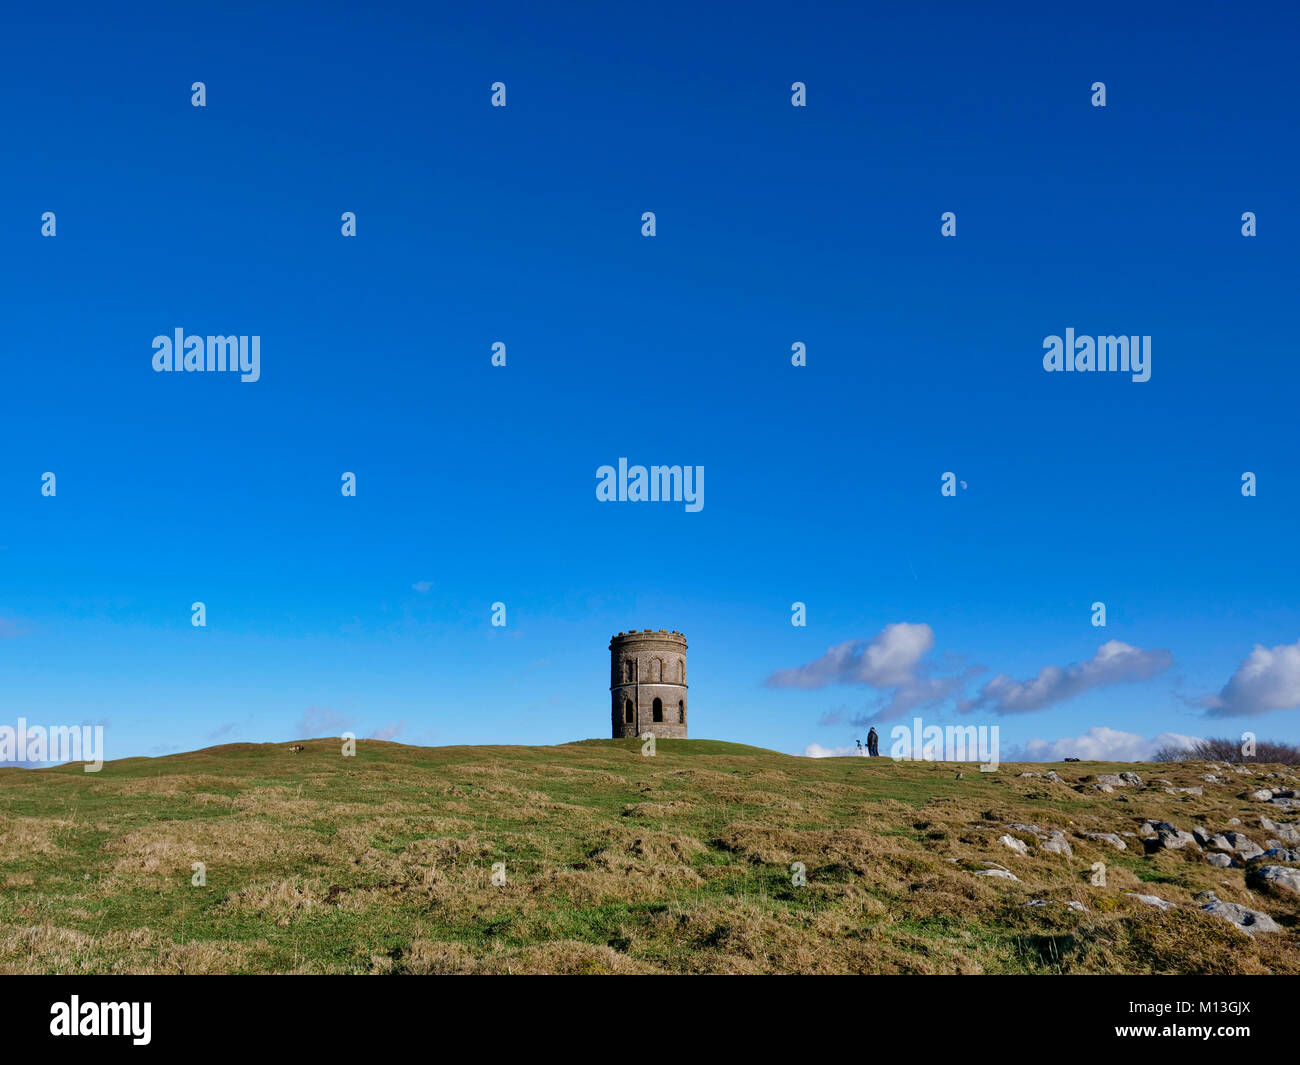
(297, 747)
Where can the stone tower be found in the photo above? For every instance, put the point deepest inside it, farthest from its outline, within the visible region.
(647, 683)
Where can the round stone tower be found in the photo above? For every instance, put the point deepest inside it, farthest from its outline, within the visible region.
(647, 683)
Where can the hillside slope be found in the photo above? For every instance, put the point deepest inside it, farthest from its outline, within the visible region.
(615, 862)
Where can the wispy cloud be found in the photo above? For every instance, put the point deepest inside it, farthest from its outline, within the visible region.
(321, 721)
(1114, 663)
(388, 731)
(891, 661)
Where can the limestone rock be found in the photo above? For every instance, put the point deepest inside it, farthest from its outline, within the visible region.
(1279, 854)
(1016, 845)
(1173, 839)
(1245, 919)
(1276, 876)
(1235, 843)
(1287, 833)
(1056, 844)
(1152, 900)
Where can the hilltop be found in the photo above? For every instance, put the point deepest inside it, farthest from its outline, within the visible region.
(615, 862)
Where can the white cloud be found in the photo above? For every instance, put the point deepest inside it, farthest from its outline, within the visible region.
(816, 750)
(1114, 663)
(888, 659)
(1267, 679)
(1100, 744)
(423, 587)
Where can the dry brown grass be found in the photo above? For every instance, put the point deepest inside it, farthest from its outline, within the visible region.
(614, 863)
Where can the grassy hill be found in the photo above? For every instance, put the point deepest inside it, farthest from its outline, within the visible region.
(615, 862)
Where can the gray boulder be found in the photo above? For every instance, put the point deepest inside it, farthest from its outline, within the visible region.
(1056, 844)
(1242, 917)
(1281, 877)
(1015, 844)
(1287, 833)
(1239, 845)
(1173, 839)
(1278, 854)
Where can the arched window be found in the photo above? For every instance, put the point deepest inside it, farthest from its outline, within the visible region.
(658, 708)
(681, 710)
(681, 671)
(627, 711)
(627, 670)
(656, 670)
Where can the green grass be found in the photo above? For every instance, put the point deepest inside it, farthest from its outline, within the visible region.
(615, 862)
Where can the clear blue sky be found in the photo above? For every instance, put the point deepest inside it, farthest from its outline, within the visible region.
(522, 224)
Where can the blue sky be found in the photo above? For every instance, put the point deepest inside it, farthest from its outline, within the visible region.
(522, 224)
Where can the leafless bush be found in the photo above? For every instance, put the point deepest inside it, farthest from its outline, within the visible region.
(1223, 749)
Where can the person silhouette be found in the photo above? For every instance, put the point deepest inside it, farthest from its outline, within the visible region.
(873, 744)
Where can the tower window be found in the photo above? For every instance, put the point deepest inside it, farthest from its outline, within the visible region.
(627, 711)
(681, 710)
(658, 710)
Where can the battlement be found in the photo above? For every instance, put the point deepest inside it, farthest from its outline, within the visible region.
(647, 635)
